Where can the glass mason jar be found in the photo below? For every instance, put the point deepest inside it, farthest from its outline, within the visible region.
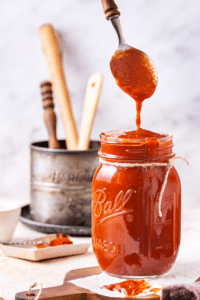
(129, 237)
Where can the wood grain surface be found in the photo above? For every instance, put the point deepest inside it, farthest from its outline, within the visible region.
(69, 291)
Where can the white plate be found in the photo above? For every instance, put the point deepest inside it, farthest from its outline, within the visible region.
(34, 254)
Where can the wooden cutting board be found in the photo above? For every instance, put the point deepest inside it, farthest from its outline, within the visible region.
(69, 291)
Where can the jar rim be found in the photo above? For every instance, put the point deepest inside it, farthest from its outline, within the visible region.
(123, 148)
(111, 137)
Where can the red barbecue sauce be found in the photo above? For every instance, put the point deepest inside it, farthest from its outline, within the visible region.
(128, 235)
(56, 242)
(132, 288)
(129, 287)
(135, 74)
(60, 241)
(40, 246)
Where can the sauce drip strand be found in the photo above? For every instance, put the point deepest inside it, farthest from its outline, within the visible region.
(135, 74)
(132, 288)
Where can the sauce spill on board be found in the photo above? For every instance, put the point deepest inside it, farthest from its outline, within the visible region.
(132, 288)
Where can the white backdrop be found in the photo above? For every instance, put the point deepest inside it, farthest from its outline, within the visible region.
(168, 31)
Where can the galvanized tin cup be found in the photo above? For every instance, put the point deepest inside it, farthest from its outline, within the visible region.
(61, 183)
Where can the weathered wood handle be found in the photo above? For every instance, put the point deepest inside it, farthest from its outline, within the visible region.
(67, 291)
(54, 61)
(49, 114)
(110, 9)
(90, 106)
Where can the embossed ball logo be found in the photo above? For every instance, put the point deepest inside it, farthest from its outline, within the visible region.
(105, 209)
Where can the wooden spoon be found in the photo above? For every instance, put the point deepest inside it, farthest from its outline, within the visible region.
(91, 100)
(53, 56)
(49, 114)
(133, 69)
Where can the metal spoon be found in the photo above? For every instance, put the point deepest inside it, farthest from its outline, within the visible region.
(117, 25)
(112, 13)
(44, 240)
(24, 243)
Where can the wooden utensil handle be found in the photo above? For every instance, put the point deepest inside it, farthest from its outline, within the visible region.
(90, 106)
(110, 9)
(49, 114)
(53, 56)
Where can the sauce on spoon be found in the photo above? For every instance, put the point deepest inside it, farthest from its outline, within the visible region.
(135, 74)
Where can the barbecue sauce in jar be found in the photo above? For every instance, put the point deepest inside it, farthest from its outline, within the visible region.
(128, 235)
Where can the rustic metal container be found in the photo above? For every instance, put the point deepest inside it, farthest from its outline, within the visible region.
(61, 182)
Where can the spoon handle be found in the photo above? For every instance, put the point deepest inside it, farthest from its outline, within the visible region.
(110, 9)
(90, 106)
(54, 61)
(49, 114)
(23, 243)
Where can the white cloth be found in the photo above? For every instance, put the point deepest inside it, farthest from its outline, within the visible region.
(185, 270)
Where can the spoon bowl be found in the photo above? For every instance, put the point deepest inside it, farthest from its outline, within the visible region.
(136, 67)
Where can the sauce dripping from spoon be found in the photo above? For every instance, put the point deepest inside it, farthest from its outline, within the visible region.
(134, 71)
(135, 74)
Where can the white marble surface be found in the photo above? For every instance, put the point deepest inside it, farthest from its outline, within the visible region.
(168, 31)
(17, 275)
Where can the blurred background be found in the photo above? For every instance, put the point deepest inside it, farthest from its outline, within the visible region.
(168, 31)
